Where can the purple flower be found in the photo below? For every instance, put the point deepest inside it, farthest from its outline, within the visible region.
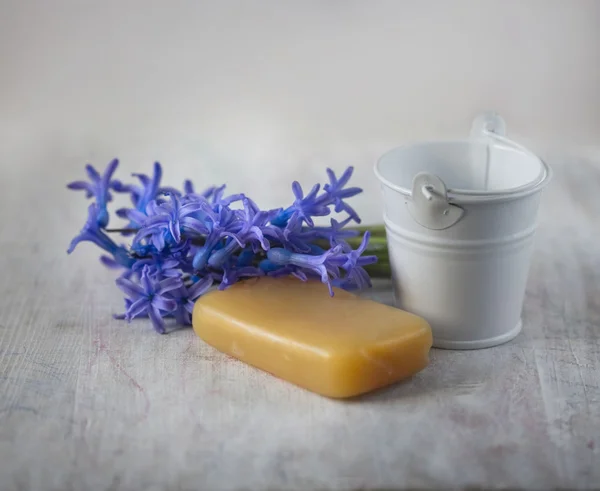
(253, 227)
(312, 205)
(190, 192)
(291, 237)
(334, 233)
(213, 194)
(304, 207)
(171, 261)
(352, 258)
(222, 222)
(186, 296)
(185, 243)
(221, 218)
(219, 256)
(277, 271)
(356, 279)
(352, 261)
(320, 264)
(149, 297)
(297, 238)
(167, 222)
(255, 223)
(217, 194)
(148, 190)
(232, 275)
(91, 232)
(159, 265)
(111, 263)
(99, 188)
(335, 193)
(218, 199)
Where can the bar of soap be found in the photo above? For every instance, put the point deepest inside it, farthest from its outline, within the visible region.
(339, 346)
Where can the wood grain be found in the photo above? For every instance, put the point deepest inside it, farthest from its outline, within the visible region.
(89, 402)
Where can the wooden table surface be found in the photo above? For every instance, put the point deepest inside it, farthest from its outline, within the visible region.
(88, 402)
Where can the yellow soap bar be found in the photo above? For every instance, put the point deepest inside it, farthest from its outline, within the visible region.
(337, 346)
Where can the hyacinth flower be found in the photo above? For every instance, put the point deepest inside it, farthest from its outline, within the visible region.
(304, 207)
(187, 243)
(91, 232)
(190, 192)
(315, 205)
(252, 233)
(150, 297)
(321, 264)
(167, 221)
(185, 296)
(232, 275)
(222, 224)
(158, 266)
(99, 188)
(145, 193)
(353, 263)
(336, 194)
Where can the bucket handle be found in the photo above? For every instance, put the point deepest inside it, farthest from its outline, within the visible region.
(429, 205)
(488, 124)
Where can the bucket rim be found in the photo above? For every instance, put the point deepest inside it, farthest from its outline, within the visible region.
(475, 196)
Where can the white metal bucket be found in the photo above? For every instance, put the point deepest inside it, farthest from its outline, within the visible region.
(460, 218)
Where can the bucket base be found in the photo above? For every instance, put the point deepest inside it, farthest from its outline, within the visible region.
(478, 343)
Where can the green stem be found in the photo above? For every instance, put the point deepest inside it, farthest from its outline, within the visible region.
(379, 270)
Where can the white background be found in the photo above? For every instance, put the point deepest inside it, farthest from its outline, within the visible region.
(258, 93)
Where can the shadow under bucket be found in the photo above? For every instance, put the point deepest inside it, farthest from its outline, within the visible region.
(460, 217)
